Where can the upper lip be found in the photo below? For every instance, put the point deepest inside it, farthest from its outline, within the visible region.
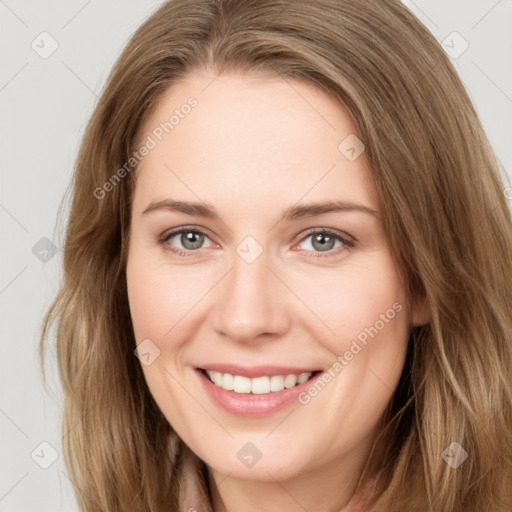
(256, 371)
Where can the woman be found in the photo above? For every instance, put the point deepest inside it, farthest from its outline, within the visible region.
(287, 275)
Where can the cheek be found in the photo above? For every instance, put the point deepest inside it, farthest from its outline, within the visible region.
(145, 295)
(163, 298)
(365, 305)
(147, 306)
(365, 328)
(353, 299)
(159, 298)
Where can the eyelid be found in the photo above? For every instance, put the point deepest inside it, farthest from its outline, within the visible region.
(166, 235)
(347, 240)
(345, 237)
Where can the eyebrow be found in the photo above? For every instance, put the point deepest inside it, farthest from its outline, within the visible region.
(290, 213)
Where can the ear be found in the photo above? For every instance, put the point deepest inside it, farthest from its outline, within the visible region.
(420, 312)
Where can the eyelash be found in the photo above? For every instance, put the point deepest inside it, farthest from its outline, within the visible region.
(347, 242)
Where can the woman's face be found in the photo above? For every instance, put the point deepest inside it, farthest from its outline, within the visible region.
(282, 270)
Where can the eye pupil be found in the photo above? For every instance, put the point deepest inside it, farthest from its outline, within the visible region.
(326, 242)
(192, 239)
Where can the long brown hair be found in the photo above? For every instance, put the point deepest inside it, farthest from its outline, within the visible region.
(446, 218)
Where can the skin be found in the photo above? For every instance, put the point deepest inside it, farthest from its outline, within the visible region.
(252, 147)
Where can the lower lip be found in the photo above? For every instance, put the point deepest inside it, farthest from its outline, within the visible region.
(249, 404)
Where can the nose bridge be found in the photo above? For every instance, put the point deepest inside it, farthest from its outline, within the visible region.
(248, 304)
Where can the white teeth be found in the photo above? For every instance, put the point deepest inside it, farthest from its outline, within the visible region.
(303, 377)
(217, 378)
(258, 385)
(241, 384)
(290, 381)
(276, 383)
(227, 382)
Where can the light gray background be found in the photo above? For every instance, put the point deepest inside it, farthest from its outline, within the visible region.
(45, 104)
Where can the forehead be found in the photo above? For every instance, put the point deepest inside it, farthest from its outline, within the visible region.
(260, 138)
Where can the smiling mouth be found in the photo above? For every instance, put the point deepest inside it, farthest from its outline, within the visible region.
(257, 385)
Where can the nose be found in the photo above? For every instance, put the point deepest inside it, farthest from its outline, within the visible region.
(251, 303)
